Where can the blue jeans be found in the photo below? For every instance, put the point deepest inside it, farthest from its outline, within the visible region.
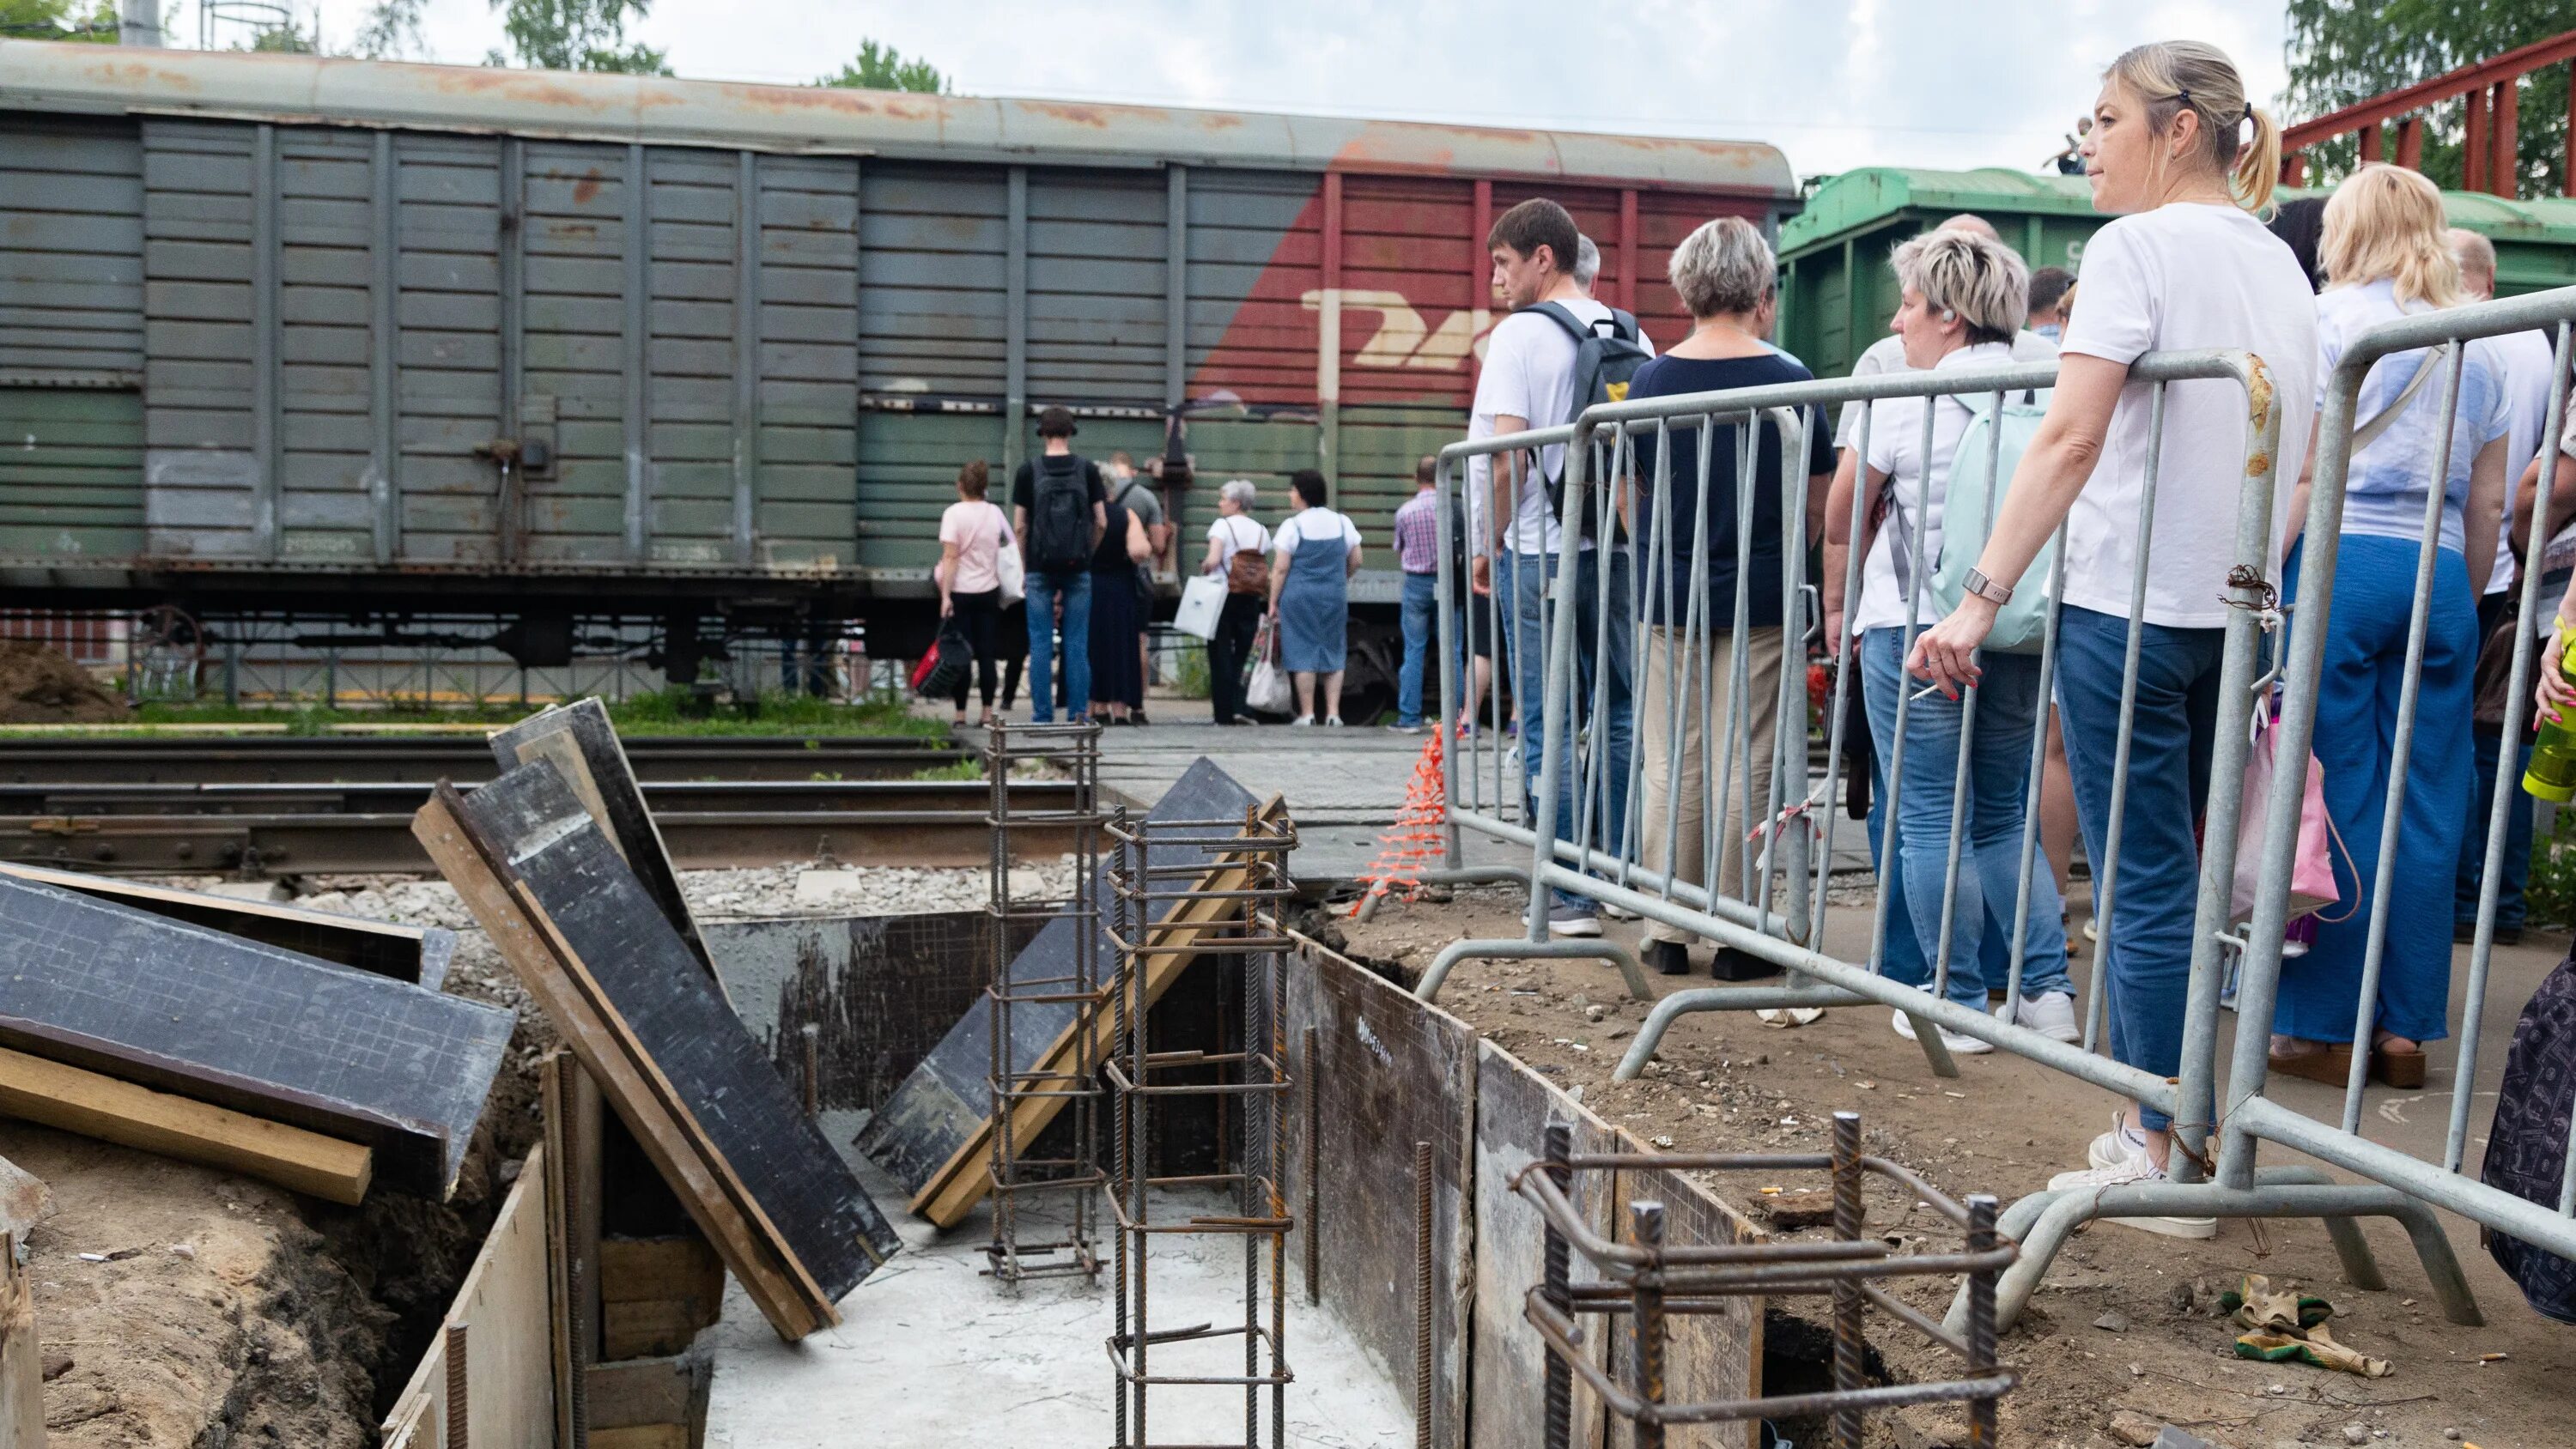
(2511, 911)
(1998, 794)
(1529, 670)
(1074, 588)
(2357, 696)
(2146, 945)
(1420, 591)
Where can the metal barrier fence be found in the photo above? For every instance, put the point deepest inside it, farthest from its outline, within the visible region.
(1588, 802)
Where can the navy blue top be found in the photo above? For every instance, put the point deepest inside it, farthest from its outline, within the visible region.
(1667, 599)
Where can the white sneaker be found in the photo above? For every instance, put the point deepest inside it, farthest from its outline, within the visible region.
(1963, 1046)
(2119, 1144)
(2051, 1014)
(1301, 721)
(2138, 1168)
(1333, 721)
(1619, 913)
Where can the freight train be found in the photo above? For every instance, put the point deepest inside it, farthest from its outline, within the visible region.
(340, 340)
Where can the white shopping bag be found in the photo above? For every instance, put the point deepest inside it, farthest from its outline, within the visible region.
(1202, 600)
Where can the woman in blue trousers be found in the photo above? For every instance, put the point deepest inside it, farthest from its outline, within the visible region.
(2386, 256)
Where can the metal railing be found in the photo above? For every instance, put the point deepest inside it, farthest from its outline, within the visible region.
(1581, 814)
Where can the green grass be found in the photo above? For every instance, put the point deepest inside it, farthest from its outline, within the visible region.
(662, 712)
(969, 768)
(2550, 895)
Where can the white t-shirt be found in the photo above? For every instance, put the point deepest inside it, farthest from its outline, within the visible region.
(977, 528)
(2181, 277)
(1529, 373)
(1896, 449)
(2385, 486)
(1887, 354)
(1320, 524)
(1236, 532)
(2525, 358)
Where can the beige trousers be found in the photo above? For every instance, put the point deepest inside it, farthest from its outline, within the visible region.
(1677, 804)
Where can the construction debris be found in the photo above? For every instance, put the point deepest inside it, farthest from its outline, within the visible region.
(2282, 1326)
(644, 1014)
(133, 1000)
(40, 684)
(24, 1202)
(416, 954)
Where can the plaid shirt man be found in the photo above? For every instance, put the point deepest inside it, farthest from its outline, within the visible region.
(1417, 534)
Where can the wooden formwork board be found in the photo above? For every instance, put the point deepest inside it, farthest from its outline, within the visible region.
(506, 1306)
(1514, 1106)
(416, 954)
(1708, 1356)
(1386, 1071)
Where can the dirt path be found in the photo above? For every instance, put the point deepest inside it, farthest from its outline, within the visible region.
(2126, 1321)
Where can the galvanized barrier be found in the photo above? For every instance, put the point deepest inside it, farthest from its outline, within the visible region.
(1774, 907)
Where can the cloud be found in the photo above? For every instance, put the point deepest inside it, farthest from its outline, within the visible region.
(1844, 83)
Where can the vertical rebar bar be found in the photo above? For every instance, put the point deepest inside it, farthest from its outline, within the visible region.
(1558, 1430)
(1981, 1318)
(457, 1408)
(1847, 1299)
(1646, 1321)
(1422, 1295)
(1314, 1183)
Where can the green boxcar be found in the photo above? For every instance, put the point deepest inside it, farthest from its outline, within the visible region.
(1838, 294)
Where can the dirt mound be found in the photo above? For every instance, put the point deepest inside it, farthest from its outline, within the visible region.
(39, 685)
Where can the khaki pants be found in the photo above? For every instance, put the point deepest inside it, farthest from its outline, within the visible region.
(1678, 805)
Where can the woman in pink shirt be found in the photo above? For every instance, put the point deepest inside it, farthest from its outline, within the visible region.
(972, 535)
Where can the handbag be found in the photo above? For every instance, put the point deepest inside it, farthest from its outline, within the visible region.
(1202, 601)
(2312, 880)
(1269, 689)
(1008, 565)
(943, 671)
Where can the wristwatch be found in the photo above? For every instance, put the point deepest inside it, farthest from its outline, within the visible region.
(1987, 589)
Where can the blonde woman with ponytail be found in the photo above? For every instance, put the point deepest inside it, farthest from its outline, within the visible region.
(2186, 162)
(2387, 254)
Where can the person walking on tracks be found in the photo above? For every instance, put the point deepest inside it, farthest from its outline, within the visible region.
(1555, 355)
(2178, 151)
(1059, 511)
(1238, 551)
(2386, 256)
(1725, 274)
(1317, 551)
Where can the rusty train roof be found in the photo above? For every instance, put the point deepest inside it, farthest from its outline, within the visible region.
(58, 77)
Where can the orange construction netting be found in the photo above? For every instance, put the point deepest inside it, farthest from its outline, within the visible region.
(1414, 842)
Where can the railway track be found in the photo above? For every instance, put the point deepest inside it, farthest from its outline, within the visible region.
(287, 760)
(271, 827)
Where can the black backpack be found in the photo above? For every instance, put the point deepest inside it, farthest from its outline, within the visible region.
(1059, 514)
(1607, 355)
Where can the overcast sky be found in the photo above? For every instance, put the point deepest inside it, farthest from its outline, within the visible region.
(1834, 83)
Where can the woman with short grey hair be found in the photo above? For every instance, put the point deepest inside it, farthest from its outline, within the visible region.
(1238, 551)
(1964, 296)
(1725, 274)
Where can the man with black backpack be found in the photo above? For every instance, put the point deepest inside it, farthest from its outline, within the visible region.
(1060, 507)
(1558, 353)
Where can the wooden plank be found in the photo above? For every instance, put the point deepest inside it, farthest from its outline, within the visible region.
(644, 1392)
(505, 1305)
(139, 1117)
(649, 1329)
(238, 1024)
(22, 1373)
(1389, 1071)
(642, 1436)
(612, 1060)
(1514, 1105)
(416, 954)
(1707, 1356)
(554, 1078)
(635, 1270)
(1170, 945)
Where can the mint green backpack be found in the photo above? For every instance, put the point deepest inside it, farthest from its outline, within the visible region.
(1968, 510)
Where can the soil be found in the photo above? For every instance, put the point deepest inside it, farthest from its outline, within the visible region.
(41, 685)
(2127, 1323)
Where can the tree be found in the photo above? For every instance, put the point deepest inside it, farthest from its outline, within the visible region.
(2342, 52)
(577, 35)
(883, 68)
(58, 20)
(392, 31)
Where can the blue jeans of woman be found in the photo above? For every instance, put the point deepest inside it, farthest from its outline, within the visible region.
(2146, 944)
(1990, 849)
(2357, 695)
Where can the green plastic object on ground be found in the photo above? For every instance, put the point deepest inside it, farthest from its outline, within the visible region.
(2552, 773)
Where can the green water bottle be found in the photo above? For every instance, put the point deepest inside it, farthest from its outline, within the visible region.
(2552, 775)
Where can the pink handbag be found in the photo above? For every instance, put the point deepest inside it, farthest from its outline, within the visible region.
(2312, 881)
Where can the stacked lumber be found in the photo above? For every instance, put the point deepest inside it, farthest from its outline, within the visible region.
(544, 874)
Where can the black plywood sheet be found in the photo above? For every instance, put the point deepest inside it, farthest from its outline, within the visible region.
(948, 1096)
(638, 838)
(417, 954)
(530, 822)
(249, 1026)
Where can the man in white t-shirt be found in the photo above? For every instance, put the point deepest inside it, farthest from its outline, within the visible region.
(2526, 359)
(1528, 382)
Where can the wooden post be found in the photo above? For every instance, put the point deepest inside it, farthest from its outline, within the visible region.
(22, 1373)
(2410, 143)
(2473, 154)
(2370, 143)
(2504, 170)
